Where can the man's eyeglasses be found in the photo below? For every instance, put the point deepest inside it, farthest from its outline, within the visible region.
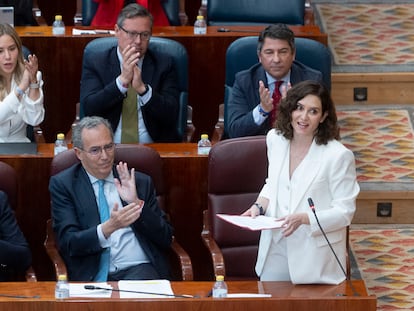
(145, 35)
(97, 151)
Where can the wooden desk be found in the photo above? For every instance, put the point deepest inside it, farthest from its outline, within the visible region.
(285, 296)
(186, 183)
(60, 60)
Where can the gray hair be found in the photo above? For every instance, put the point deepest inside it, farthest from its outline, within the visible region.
(131, 11)
(88, 123)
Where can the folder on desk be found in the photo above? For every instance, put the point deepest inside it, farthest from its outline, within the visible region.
(18, 148)
(7, 15)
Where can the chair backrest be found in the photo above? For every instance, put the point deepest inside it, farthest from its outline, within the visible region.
(237, 169)
(167, 46)
(242, 54)
(255, 12)
(140, 157)
(8, 183)
(171, 9)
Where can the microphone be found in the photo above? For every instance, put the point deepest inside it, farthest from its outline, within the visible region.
(92, 287)
(236, 30)
(312, 207)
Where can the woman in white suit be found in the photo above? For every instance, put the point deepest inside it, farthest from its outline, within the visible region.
(21, 94)
(306, 160)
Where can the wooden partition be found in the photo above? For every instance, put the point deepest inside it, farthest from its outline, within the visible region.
(60, 60)
(283, 296)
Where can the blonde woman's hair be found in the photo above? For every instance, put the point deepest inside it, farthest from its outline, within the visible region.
(6, 29)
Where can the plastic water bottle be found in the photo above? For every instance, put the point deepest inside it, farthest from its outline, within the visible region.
(58, 27)
(62, 287)
(200, 26)
(60, 143)
(204, 145)
(220, 287)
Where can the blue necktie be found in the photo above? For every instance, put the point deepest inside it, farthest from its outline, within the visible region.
(104, 215)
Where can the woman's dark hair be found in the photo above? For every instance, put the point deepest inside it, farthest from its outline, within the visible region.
(327, 130)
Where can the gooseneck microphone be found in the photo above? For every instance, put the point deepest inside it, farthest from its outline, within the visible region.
(93, 287)
(312, 206)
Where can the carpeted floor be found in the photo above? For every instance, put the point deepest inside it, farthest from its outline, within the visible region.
(368, 36)
(382, 139)
(386, 263)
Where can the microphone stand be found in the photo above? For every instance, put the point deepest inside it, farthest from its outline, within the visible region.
(312, 206)
(92, 287)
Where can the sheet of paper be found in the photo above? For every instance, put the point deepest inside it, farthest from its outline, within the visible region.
(145, 289)
(248, 295)
(257, 223)
(78, 32)
(78, 290)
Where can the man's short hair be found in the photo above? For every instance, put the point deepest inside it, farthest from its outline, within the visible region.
(131, 11)
(88, 123)
(277, 31)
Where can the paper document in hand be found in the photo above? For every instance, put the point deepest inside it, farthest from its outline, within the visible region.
(148, 289)
(258, 223)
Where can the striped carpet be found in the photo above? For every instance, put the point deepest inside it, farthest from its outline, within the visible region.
(386, 263)
(368, 36)
(382, 140)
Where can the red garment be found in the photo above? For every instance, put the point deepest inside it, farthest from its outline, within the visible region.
(108, 11)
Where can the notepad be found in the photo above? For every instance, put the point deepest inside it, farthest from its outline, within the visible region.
(255, 224)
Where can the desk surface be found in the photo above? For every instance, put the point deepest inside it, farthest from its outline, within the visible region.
(285, 296)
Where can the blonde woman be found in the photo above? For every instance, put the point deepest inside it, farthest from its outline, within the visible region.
(21, 95)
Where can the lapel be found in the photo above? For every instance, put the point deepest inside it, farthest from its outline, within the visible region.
(310, 168)
(86, 201)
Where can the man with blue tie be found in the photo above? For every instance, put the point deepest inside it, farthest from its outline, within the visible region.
(106, 217)
(257, 91)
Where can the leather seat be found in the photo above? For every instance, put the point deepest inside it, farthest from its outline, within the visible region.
(237, 169)
(8, 184)
(145, 160)
(255, 12)
(174, 49)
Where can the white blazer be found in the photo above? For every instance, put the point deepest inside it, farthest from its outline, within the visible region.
(15, 114)
(330, 181)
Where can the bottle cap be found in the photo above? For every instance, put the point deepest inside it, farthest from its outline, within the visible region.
(204, 136)
(62, 277)
(220, 278)
(58, 17)
(60, 136)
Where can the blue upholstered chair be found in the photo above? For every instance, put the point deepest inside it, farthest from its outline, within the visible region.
(242, 54)
(174, 9)
(255, 12)
(167, 46)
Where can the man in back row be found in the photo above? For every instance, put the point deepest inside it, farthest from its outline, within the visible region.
(134, 88)
(257, 90)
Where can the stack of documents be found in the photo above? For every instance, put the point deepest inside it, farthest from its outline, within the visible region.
(257, 223)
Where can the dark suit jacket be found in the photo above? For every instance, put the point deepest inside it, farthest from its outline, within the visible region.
(75, 218)
(99, 94)
(245, 97)
(15, 255)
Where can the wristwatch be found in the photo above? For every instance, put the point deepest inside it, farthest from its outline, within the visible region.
(261, 210)
(145, 92)
(262, 112)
